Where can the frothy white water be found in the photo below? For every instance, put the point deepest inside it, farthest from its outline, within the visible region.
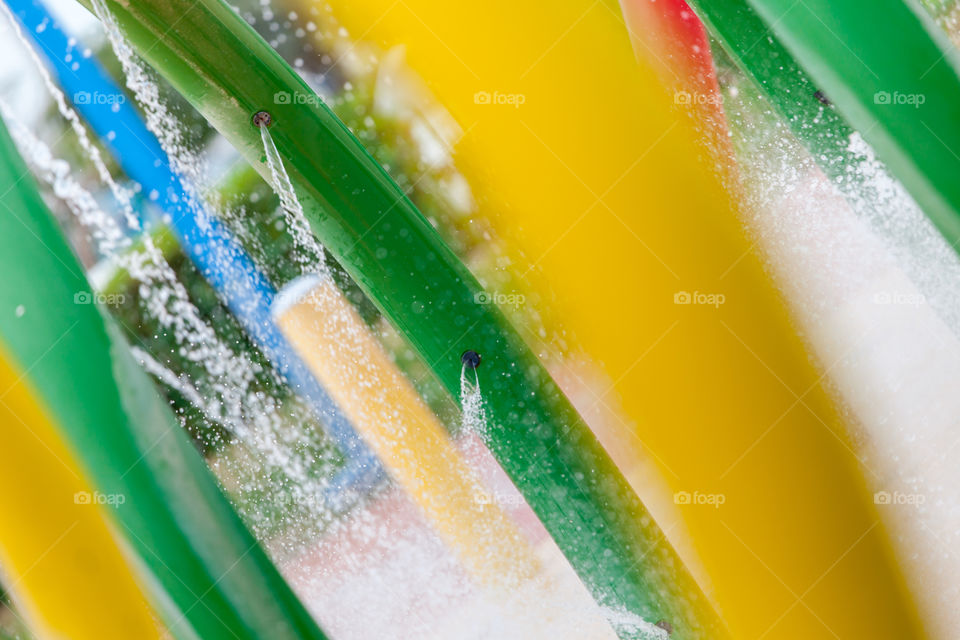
(876, 291)
(225, 393)
(910, 237)
(385, 567)
(272, 433)
(634, 626)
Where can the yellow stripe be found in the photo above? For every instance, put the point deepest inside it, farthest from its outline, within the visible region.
(61, 562)
(411, 442)
(595, 181)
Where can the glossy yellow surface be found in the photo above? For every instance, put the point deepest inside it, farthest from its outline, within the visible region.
(408, 438)
(59, 557)
(574, 151)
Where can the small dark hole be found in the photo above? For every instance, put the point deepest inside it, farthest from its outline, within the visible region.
(262, 119)
(470, 359)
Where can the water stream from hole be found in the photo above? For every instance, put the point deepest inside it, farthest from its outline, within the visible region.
(385, 563)
(519, 601)
(288, 467)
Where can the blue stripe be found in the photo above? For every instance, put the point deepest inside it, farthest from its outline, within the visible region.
(212, 248)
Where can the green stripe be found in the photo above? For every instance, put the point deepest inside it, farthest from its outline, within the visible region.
(866, 57)
(214, 580)
(228, 72)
